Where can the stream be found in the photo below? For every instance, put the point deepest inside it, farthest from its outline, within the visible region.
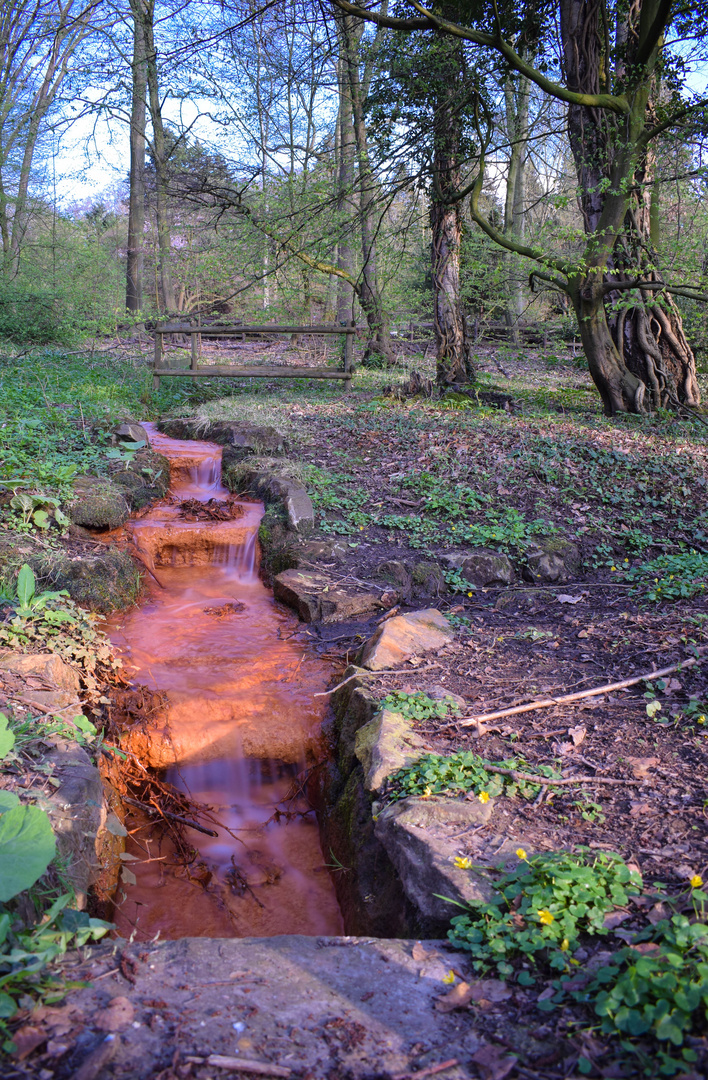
(242, 715)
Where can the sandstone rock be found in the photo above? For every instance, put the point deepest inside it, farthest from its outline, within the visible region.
(129, 431)
(552, 560)
(385, 745)
(98, 504)
(74, 810)
(481, 567)
(428, 580)
(293, 498)
(48, 667)
(315, 599)
(405, 636)
(418, 837)
(396, 573)
(241, 437)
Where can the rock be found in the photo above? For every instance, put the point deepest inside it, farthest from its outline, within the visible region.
(314, 551)
(385, 745)
(428, 580)
(315, 599)
(551, 559)
(48, 667)
(405, 636)
(292, 497)
(144, 479)
(242, 438)
(107, 581)
(75, 810)
(117, 1016)
(418, 836)
(98, 504)
(396, 573)
(481, 567)
(129, 431)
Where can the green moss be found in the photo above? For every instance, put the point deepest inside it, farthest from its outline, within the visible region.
(106, 582)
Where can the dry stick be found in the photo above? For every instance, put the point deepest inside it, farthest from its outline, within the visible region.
(430, 1071)
(168, 813)
(545, 703)
(371, 675)
(553, 783)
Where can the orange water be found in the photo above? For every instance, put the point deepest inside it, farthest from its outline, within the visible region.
(242, 715)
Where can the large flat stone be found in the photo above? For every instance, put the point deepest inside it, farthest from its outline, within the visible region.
(315, 598)
(404, 636)
(325, 1008)
(385, 745)
(422, 838)
(48, 667)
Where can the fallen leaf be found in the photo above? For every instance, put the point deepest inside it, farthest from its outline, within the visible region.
(641, 765)
(583, 634)
(577, 734)
(419, 953)
(674, 684)
(118, 1015)
(615, 918)
(490, 990)
(564, 598)
(128, 877)
(658, 912)
(26, 1039)
(457, 998)
(546, 994)
(638, 809)
(493, 1062)
(114, 826)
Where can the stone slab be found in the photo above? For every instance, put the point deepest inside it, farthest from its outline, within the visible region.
(404, 636)
(385, 745)
(315, 598)
(324, 1008)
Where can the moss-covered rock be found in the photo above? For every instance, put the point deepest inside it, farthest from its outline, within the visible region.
(97, 504)
(551, 559)
(106, 581)
(143, 480)
(428, 580)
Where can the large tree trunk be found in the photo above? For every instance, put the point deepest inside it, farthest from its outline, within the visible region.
(161, 160)
(346, 207)
(516, 100)
(136, 206)
(379, 346)
(629, 340)
(454, 363)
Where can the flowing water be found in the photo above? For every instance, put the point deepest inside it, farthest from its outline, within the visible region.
(242, 714)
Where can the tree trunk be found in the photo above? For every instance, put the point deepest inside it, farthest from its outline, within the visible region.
(379, 346)
(136, 206)
(346, 208)
(160, 158)
(516, 99)
(648, 346)
(454, 362)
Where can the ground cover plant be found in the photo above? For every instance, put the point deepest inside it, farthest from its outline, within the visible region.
(416, 481)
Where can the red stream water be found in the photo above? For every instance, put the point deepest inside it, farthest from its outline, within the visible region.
(242, 713)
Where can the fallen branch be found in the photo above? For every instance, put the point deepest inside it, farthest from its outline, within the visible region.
(431, 1070)
(152, 810)
(545, 703)
(545, 782)
(372, 675)
(260, 1068)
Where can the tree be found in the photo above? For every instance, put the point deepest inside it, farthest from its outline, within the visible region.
(136, 202)
(39, 40)
(622, 92)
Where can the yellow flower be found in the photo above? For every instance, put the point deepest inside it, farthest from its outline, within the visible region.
(612, 569)
(427, 793)
(521, 854)
(701, 719)
(483, 796)
(469, 594)
(463, 863)
(449, 978)
(565, 944)
(696, 881)
(545, 917)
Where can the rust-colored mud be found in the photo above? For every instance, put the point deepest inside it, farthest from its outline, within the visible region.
(241, 715)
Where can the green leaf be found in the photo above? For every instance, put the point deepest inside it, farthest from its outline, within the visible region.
(25, 585)
(584, 1066)
(8, 799)
(7, 740)
(27, 847)
(41, 519)
(7, 1007)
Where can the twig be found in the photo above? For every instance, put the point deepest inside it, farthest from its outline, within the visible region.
(431, 1070)
(545, 782)
(370, 674)
(168, 814)
(476, 721)
(260, 1068)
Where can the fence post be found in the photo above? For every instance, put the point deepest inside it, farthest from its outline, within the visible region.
(158, 359)
(348, 355)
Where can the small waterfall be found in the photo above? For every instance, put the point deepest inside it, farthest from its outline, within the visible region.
(242, 561)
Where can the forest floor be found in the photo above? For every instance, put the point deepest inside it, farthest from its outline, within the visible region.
(419, 479)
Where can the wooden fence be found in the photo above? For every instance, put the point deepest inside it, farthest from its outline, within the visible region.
(253, 371)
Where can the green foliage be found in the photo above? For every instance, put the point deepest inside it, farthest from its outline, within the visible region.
(657, 985)
(27, 845)
(26, 955)
(670, 577)
(457, 582)
(52, 621)
(418, 706)
(543, 907)
(433, 774)
(7, 737)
